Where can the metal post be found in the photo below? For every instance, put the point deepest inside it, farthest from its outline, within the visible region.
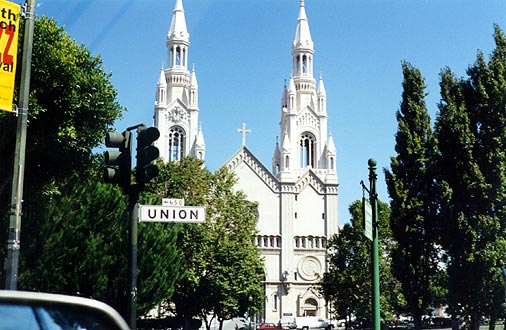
(132, 262)
(14, 232)
(374, 253)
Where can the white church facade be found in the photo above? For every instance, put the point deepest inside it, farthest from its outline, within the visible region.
(297, 196)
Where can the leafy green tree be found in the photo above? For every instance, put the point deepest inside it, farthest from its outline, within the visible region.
(414, 196)
(222, 269)
(471, 130)
(78, 246)
(347, 285)
(72, 104)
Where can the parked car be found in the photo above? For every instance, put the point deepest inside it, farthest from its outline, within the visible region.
(311, 322)
(287, 323)
(268, 326)
(334, 323)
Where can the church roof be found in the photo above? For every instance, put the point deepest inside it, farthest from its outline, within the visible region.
(306, 178)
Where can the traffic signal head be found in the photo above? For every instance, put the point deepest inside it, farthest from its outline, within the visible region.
(118, 162)
(146, 154)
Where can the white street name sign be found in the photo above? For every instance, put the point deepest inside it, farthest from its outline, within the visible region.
(159, 213)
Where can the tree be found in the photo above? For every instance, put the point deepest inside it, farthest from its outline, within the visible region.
(347, 284)
(414, 196)
(79, 245)
(72, 105)
(471, 129)
(222, 268)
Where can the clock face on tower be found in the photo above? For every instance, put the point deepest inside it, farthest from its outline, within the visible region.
(177, 115)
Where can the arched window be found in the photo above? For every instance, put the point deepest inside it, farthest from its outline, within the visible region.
(176, 143)
(307, 150)
(304, 64)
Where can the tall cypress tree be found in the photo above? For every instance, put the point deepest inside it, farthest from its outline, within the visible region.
(413, 193)
(471, 130)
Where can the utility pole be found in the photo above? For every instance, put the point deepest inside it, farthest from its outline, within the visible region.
(14, 232)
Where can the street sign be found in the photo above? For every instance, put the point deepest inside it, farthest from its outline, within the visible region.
(367, 218)
(160, 213)
(173, 201)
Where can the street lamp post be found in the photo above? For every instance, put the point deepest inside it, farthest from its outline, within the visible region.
(375, 259)
(371, 232)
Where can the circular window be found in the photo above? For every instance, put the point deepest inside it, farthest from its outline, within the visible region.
(309, 268)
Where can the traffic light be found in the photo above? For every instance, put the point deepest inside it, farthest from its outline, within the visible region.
(146, 153)
(118, 162)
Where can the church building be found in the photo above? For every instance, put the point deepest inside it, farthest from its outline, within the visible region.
(297, 196)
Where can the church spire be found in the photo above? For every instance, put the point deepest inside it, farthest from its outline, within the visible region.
(303, 124)
(177, 107)
(178, 38)
(302, 33)
(302, 46)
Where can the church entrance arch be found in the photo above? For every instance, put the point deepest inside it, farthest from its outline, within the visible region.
(309, 307)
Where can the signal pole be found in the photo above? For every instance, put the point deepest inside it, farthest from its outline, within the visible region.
(373, 197)
(14, 232)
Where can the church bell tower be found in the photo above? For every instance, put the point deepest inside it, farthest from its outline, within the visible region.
(176, 105)
(303, 126)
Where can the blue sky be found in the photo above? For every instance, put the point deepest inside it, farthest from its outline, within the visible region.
(241, 51)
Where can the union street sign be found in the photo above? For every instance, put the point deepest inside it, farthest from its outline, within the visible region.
(160, 213)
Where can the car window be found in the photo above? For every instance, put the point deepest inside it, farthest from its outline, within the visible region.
(19, 316)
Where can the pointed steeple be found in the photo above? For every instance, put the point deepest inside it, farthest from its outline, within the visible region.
(331, 147)
(276, 158)
(322, 97)
(331, 155)
(161, 89)
(161, 80)
(286, 145)
(302, 34)
(284, 99)
(321, 86)
(200, 145)
(193, 78)
(178, 38)
(178, 30)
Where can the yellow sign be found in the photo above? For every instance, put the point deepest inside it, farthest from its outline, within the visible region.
(9, 31)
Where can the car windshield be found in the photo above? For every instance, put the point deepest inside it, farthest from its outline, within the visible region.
(19, 316)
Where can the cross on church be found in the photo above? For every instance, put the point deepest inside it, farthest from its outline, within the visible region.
(243, 131)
